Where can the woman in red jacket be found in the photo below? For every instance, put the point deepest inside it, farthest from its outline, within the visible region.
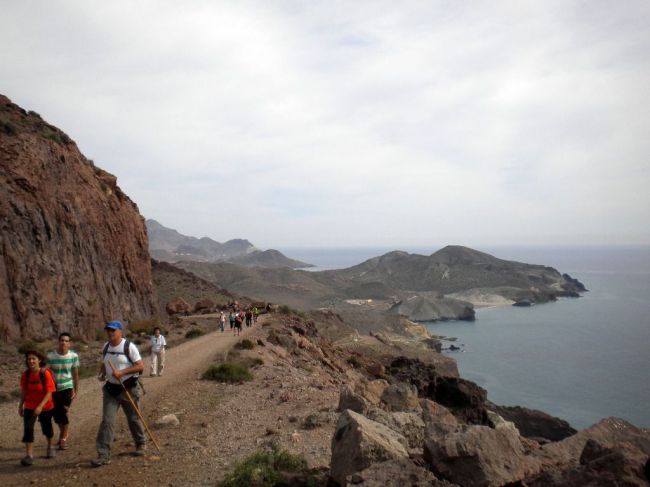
(37, 386)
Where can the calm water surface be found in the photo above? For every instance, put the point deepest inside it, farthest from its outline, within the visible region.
(580, 359)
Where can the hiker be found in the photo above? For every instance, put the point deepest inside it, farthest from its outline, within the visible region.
(238, 323)
(158, 344)
(249, 318)
(64, 364)
(36, 386)
(255, 312)
(222, 321)
(232, 319)
(125, 358)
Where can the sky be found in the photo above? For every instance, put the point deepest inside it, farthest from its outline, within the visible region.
(356, 123)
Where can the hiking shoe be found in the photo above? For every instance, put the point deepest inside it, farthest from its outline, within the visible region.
(139, 450)
(27, 461)
(51, 453)
(100, 462)
(63, 444)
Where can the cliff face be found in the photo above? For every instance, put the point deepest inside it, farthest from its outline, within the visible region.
(74, 249)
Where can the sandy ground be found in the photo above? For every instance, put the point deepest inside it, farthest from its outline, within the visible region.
(220, 423)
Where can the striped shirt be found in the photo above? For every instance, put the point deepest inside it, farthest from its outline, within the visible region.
(62, 366)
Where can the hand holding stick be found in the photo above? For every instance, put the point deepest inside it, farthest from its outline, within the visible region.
(136, 409)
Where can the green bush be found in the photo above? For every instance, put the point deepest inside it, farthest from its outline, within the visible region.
(245, 344)
(264, 469)
(354, 362)
(193, 333)
(8, 127)
(285, 310)
(228, 372)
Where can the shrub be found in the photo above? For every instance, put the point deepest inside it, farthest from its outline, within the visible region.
(193, 333)
(264, 469)
(285, 310)
(354, 362)
(8, 127)
(245, 344)
(228, 372)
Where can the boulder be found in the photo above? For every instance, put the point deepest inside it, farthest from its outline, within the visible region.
(532, 423)
(410, 425)
(204, 306)
(465, 399)
(438, 420)
(168, 421)
(178, 306)
(479, 456)
(401, 397)
(599, 466)
(395, 473)
(497, 422)
(359, 442)
(348, 399)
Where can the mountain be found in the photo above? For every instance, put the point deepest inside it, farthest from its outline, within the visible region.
(444, 285)
(168, 245)
(74, 248)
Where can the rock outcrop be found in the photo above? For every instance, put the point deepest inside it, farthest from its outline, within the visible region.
(74, 248)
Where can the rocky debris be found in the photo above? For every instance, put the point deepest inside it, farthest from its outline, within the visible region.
(599, 466)
(168, 421)
(396, 473)
(178, 306)
(497, 422)
(204, 306)
(534, 424)
(348, 399)
(479, 456)
(74, 246)
(359, 442)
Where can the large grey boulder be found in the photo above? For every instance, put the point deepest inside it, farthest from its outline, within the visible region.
(359, 442)
(479, 456)
(401, 397)
(410, 425)
(396, 473)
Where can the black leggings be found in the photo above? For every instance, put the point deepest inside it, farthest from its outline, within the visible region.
(29, 420)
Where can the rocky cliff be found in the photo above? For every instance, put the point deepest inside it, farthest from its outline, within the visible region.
(73, 246)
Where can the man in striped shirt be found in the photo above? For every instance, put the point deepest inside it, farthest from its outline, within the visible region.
(65, 365)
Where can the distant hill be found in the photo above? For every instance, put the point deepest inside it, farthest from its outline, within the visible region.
(168, 245)
(446, 284)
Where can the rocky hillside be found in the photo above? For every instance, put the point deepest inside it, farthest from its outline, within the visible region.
(74, 249)
(444, 285)
(168, 245)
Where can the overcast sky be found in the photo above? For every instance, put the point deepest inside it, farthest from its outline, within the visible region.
(300, 123)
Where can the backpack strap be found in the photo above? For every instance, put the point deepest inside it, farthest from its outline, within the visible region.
(126, 351)
(41, 374)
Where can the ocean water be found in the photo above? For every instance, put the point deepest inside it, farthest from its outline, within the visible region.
(580, 359)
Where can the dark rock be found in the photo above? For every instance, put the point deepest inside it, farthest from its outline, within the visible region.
(524, 303)
(396, 473)
(534, 424)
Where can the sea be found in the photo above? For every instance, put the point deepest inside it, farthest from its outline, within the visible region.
(580, 359)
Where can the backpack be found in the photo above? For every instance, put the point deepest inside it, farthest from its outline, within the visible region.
(126, 352)
(41, 374)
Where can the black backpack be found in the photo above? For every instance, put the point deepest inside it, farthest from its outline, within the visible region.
(126, 352)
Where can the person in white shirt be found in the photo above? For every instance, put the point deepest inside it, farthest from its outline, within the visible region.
(127, 365)
(158, 344)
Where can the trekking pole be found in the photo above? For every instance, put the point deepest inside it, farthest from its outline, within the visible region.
(136, 410)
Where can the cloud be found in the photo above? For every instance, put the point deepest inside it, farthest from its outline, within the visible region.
(366, 123)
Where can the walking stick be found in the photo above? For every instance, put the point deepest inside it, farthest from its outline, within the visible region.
(136, 409)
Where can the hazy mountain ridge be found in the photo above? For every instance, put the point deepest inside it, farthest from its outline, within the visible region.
(445, 285)
(168, 245)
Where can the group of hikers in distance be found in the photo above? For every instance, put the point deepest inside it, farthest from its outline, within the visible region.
(50, 385)
(237, 317)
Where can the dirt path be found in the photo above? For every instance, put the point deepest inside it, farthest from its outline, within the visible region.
(167, 394)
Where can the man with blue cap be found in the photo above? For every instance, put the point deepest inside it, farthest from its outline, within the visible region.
(121, 365)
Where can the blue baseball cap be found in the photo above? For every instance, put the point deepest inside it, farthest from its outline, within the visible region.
(114, 325)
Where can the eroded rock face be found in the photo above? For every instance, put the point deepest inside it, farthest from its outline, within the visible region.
(74, 249)
(479, 456)
(178, 306)
(359, 442)
(535, 424)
